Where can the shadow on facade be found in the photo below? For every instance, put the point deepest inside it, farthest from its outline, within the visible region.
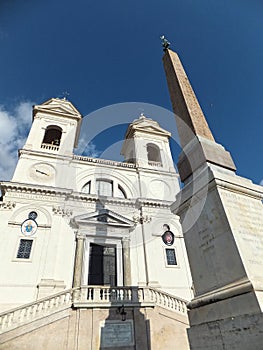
(125, 328)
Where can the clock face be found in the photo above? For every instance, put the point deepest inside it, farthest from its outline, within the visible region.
(42, 171)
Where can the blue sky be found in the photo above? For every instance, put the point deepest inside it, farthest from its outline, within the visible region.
(107, 53)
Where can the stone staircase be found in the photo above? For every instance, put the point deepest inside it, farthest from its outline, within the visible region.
(90, 297)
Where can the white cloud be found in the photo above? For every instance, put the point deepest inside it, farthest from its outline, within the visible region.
(14, 126)
(87, 149)
(261, 182)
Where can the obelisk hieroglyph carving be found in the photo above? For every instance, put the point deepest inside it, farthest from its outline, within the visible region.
(222, 221)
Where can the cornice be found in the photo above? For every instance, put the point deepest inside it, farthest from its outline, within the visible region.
(27, 151)
(23, 188)
(49, 192)
(153, 203)
(92, 198)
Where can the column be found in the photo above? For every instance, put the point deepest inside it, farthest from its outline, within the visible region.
(78, 260)
(126, 261)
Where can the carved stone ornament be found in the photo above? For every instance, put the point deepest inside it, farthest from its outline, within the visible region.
(63, 212)
(7, 205)
(145, 219)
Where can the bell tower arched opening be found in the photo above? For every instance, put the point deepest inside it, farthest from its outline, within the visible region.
(153, 153)
(52, 135)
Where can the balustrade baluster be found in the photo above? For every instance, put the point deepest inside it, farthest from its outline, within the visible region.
(97, 294)
(3, 321)
(113, 295)
(129, 296)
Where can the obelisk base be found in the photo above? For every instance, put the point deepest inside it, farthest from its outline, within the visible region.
(200, 151)
(241, 333)
(222, 220)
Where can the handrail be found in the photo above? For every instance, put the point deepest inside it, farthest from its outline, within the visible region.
(36, 309)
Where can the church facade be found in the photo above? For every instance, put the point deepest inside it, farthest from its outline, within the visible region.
(93, 239)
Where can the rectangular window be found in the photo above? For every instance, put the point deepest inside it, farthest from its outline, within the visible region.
(170, 257)
(24, 250)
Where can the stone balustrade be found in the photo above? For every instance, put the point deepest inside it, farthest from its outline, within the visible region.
(104, 161)
(35, 310)
(49, 146)
(88, 297)
(155, 164)
(168, 301)
(105, 296)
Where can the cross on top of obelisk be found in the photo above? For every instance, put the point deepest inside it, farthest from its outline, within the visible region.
(165, 43)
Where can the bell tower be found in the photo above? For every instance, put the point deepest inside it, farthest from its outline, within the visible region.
(53, 135)
(147, 145)
(55, 128)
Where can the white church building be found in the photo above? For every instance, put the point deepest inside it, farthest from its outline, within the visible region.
(91, 254)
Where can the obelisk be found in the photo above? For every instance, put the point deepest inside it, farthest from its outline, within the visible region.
(222, 220)
(196, 139)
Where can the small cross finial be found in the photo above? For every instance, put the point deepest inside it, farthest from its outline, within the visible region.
(65, 94)
(165, 43)
(142, 116)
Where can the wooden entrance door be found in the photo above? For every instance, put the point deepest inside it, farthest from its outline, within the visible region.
(102, 265)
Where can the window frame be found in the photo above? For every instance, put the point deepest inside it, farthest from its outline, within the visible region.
(15, 258)
(165, 257)
(121, 189)
(111, 182)
(150, 148)
(87, 184)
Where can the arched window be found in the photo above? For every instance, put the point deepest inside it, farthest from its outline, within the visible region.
(52, 135)
(120, 192)
(154, 155)
(86, 188)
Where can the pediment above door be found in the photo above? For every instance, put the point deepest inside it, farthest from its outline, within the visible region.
(102, 217)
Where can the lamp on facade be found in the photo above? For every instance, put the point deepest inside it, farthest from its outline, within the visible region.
(122, 312)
